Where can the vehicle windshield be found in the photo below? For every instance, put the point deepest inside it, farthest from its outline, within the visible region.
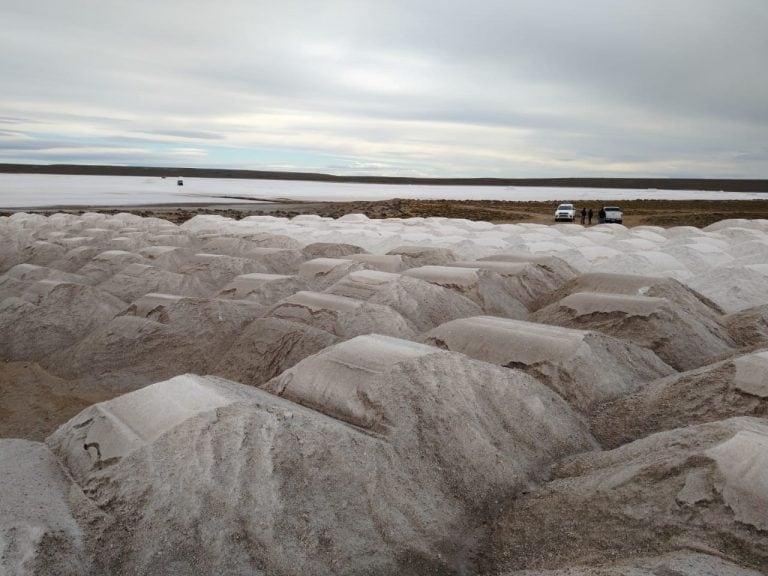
(565, 207)
(612, 208)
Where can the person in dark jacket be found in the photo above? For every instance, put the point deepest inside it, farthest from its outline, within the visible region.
(601, 215)
(583, 215)
(589, 216)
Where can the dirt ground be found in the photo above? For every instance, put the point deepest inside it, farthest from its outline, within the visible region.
(665, 213)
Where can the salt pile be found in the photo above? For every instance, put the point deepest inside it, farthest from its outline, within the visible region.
(487, 289)
(583, 367)
(705, 483)
(38, 530)
(748, 327)
(673, 564)
(339, 315)
(421, 304)
(156, 337)
(403, 396)
(266, 289)
(267, 347)
(364, 488)
(683, 340)
(51, 314)
(737, 386)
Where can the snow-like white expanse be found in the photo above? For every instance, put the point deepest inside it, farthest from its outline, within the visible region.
(37, 190)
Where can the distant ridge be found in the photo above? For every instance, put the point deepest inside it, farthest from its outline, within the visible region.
(729, 185)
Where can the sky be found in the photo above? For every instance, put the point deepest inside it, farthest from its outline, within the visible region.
(507, 88)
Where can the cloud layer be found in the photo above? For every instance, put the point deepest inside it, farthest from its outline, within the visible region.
(436, 88)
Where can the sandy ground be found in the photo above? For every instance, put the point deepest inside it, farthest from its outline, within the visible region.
(665, 213)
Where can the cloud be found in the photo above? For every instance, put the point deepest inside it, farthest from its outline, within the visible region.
(552, 88)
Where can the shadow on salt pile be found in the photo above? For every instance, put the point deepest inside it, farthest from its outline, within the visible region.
(748, 327)
(583, 367)
(735, 387)
(267, 347)
(703, 486)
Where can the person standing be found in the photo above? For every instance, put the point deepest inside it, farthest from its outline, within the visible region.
(583, 215)
(589, 216)
(601, 216)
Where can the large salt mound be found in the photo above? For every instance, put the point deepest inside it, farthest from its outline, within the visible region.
(103, 434)
(266, 486)
(269, 240)
(735, 387)
(11, 287)
(682, 339)
(38, 532)
(41, 253)
(404, 390)
(265, 289)
(583, 367)
(417, 256)
(50, 315)
(636, 285)
(107, 264)
(558, 268)
(341, 316)
(383, 262)
(171, 258)
(330, 250)
(322, 272)
(748, 327)
(526, 282)
(214, 271)
(32, 273)
(702, 487)
(485, 288)
(274, 260)
(267, 347)
(733, 288)
(75, 258)
(421, 304)
(159, 336)
(673, 564)
(136, 280)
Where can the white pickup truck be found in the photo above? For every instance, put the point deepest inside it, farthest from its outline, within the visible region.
(565, 213)
(613, 214)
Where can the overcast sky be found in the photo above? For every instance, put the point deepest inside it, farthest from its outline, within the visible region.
(398, 87)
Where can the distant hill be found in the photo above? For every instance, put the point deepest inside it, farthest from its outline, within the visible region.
(730, 185)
